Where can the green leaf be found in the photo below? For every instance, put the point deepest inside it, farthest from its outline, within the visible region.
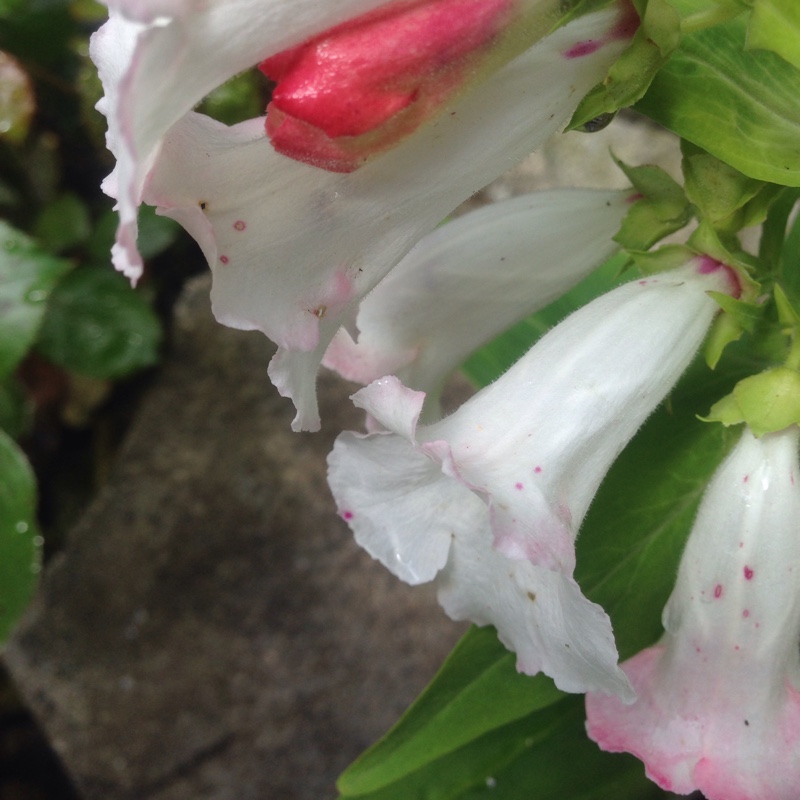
(15, 408)
(775, 229)
(20, 542)
(790, 261)
(788, 311)
(459, 707)
(63, 223)
(739, 106)
(11, 7)
(156, 233)
(27, 276)
(238, 99)
(545, 755)
(775, 25)
(96, 325)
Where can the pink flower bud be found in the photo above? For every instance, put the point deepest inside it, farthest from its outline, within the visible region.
(362, 86)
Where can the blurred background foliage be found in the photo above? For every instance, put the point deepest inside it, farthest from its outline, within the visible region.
(77, 343)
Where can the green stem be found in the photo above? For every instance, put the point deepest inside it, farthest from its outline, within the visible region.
(722, 12)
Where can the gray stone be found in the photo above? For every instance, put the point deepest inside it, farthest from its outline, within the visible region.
(211, 630)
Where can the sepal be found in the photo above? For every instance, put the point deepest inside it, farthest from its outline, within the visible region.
(662, 208)
(739, 316)
(767, 402)
(628, 79)
(719, 191)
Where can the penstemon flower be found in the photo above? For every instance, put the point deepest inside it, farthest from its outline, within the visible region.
(157, 59)
(468, 281)
(293, 248)
(488, 501)
(718, 704)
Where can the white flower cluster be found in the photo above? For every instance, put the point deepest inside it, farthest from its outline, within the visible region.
(344, 268)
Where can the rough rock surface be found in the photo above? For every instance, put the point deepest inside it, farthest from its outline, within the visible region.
(211, 630)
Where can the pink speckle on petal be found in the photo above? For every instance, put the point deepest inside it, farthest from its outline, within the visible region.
(224, 259)
(625, 29)
(537, 470)
(718, 591)
(745, 479)
(239, 225)
(748, 573)
(585, 48)
(347, 515)
(746, 613)
(519, 486)
(708, 265)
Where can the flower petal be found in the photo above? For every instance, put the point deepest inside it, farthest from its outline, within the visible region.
(466, 282)
(158, 58)
(408, 509)
(312, 239)
(554, 423)
(539, 614)
(719, 697)
(384, 479)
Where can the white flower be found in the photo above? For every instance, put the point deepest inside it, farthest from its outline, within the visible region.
(487, 502)
(719, 695)
(158, 58)
(470, 280)
(292, 247)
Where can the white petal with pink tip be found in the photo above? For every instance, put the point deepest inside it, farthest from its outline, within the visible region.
(719, 696)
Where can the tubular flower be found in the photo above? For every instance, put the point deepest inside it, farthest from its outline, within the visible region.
(719, 696)
(468, 281)
(488, 501)
(293, 248)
